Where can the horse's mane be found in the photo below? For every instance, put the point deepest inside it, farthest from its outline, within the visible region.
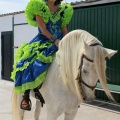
(100, 65)
(69, 56)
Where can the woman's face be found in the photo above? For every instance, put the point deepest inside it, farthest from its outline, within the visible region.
(51, 1)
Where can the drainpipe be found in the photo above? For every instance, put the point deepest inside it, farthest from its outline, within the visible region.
(13, 37)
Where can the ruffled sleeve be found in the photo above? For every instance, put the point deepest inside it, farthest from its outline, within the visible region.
(67, 14)
(36, 7)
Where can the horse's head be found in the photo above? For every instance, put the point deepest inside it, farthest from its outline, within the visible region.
(92, 68)
(83, 62)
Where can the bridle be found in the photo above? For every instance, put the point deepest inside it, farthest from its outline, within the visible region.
(79, 77)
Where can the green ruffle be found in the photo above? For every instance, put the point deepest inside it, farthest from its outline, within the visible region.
(27, 50)
(68, 12)
(31, 85)
(36, 7)
(55, 17)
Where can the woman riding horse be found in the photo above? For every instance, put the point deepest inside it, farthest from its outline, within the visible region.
(33, 58)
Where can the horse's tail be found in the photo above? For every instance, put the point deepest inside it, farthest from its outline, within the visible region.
(15, 108)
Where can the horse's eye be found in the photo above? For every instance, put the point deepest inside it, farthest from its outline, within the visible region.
(85, 71)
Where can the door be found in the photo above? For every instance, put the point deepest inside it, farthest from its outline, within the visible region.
(6, 54)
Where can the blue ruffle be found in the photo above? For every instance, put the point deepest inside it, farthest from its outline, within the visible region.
(31, 73)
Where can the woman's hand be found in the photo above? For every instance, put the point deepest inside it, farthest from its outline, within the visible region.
(57, 42)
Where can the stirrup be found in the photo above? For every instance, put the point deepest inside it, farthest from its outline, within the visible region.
(39, 97)
(28, 105)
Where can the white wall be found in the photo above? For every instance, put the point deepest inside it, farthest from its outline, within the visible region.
(5, 25)
(23, 33)
(19, 18)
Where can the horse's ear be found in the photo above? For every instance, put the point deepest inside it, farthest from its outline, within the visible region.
(109, 53)
(87, 47)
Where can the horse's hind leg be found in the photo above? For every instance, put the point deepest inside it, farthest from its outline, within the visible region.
(37, 110)
(70, 115)
(21, 112)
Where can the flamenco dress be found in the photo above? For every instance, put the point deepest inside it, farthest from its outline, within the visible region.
(33, 59)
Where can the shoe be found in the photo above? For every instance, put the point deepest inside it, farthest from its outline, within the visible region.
(26, 103)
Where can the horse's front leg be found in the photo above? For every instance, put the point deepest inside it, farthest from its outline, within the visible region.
(37, 110)
(52, 114)
(70, 115)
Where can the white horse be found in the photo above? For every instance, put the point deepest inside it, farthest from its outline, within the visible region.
(72, 77)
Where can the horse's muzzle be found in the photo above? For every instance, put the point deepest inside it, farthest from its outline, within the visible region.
(88, 99)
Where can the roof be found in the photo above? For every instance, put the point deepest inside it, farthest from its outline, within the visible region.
(92, 3)
(76, 4)
(12, 13)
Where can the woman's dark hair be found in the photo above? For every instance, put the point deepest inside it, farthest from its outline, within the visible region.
(58, 2)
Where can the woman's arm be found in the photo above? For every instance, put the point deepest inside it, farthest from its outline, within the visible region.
(64, 30)
(42, 27)
(45, 32)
